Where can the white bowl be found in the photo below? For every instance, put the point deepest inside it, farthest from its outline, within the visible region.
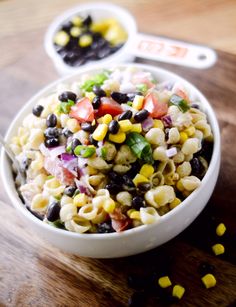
(136, 240)
(97, 11)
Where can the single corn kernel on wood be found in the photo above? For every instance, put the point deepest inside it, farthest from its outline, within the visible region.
(218, 249)
(109, 205)
(61, 38)
(85, 40)
(164, 282)
(125, 125)
(220, 229)
(178, 291)
(107, 119)
(117, 138)
(138, 102)
(158, 124)
(80, 200)
(183, 137)
(209, 281)
(136, 128)
(100, 132)
(139, 179)
(147, 170)
(135, 215)
(175, 203)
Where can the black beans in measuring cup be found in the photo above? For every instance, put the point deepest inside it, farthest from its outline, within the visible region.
(51, 120)
(98, 91)
(37, 110)
(69, 190)
(125, 115)
(105, 227)
(51, 132)
(119, 97)
(96, 102)
(53, 142)
(113, 126)
(67, 95)
(53, 211)
(141, 115)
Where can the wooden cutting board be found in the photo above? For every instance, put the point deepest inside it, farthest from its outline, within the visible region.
(33, 273)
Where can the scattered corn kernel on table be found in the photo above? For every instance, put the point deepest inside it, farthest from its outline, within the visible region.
(34, 273)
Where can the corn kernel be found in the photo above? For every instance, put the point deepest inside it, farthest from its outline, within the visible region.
(220, 229)
(117, 138)
(107, 119)
(80, 200)
(183, 137)
(218, 249)
(85, 40)
(139, 178)
(75, 32)
(109, 205)
(61, 38)
(158, 124)
(90, 95)
(77, 21)
(209, 281)
(164, 282)
(73, 125)
(190, 131)
(175, 203)
(125, 125)
(100, 132)
(178, 291)
(180, 186)
(136, 128)
(138, 102)
(147, 170)
(135, 215)
(130, 211)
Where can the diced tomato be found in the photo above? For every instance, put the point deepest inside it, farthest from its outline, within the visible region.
(83, 111)
(109, 106)
(155, 107)
(119, 221)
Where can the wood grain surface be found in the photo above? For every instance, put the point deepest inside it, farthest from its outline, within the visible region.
(33, 273)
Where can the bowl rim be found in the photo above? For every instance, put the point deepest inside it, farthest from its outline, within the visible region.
(13, 195)
(124, 15)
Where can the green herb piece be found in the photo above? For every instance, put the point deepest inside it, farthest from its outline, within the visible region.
(180, 102)
(84, 151)
(104, 152)
(140, 147)
(142, 87)
(129, 103)
(68, 148)
(57, 224)
(50, 177)
(96, 80)
(65, 107)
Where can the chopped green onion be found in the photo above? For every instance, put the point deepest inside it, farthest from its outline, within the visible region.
(104, 152)
(50, 177)
(142, 87)
(180, 102)
(140, 147)
(68, 148)
(129, 103)
(84, 151)
(57, 224)
(98, 79)
(65, 107)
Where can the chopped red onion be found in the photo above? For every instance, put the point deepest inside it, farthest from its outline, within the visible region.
(167, 121)
(147, 124)
(171, 152)
(67, 157)
(56, 151)
(81, 186)
(71, 166)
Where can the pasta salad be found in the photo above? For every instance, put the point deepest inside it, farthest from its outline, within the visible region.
(112, 151)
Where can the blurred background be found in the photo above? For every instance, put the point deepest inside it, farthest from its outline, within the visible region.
(23, 25)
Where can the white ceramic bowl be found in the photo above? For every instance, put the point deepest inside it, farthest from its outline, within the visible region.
(98, 11)
(131, 241)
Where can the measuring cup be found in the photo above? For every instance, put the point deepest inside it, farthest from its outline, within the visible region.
(137, 45)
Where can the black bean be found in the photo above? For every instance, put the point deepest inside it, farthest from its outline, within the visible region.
(37, 110)
(75, 142)
(25, 163)
(69, 190)
(144, 186)
(87, 21)
(113, 126)
(115, 177)
(206, 150)
(195, 106)
(105, 227)
(141, 115)
(67, 26)
(51, 120)
(135, 167)
(67, 95)
(67, 133)
(53, 211)
(51, 132)
(125, 115)
(88, 127)
(98, 91)
(53, 142)
(92, 141)
(137, 299)
(96, 102)
(205, 268)
(138, 202)
(128, 184)
(119, 97)
(103, 52)
(113, 188)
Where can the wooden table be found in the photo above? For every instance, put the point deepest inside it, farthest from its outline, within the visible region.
(33, 273)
